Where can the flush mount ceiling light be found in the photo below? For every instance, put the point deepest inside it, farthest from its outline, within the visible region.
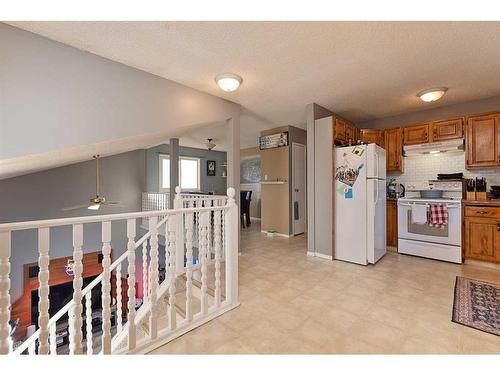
(431, 95)
(209, 144)
(228, 81)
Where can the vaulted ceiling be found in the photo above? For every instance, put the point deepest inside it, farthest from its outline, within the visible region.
(362, 70)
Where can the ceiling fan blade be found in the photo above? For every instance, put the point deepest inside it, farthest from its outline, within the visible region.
(114, 204)
(69, 208)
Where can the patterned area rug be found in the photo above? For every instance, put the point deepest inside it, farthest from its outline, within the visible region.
(477, 305)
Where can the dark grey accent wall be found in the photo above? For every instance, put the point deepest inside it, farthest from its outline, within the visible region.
(438, 113)
(42, 195)
(208, 183)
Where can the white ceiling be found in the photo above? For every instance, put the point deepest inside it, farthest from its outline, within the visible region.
(362, 70)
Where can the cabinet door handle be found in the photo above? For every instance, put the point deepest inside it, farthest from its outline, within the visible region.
(482, 213)
(498, 227)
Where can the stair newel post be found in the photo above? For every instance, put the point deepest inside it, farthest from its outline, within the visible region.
(5, 242)
(218, 256)
(189, 265)
(131, 231)
(75, 329)
(178, 204)
(145, 267)
(43, 289)
(153, 316)
(88, 321)
(53, 339)
(119, 312)
(203, 255)
(170, 239)
(231, 229)
(106, 287)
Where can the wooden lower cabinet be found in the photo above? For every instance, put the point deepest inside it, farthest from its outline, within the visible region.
(482, 233)
(392, 223)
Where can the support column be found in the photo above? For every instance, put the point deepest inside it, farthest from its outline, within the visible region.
(173, 151)
(233, 159)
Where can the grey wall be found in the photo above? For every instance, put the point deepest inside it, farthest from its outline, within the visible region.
(42, 195)
(54, 96)
(439, 113)
(208, 183)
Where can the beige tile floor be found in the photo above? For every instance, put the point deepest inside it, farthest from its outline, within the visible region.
(292, 304)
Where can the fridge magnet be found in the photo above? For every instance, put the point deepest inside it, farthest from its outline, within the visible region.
(348, 193)
(347, 175)
(358, 151)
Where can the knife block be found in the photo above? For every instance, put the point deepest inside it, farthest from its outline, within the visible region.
(481, 196)
(471, 195)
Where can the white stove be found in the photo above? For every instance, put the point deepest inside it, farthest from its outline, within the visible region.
(423, 240)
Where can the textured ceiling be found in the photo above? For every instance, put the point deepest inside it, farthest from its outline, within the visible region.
(363, 70)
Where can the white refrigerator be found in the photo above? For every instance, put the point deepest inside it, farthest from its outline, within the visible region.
(360, 204)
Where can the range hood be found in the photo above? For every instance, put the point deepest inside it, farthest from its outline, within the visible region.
(455, 145)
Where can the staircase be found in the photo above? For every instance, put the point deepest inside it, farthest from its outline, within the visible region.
(200, 279)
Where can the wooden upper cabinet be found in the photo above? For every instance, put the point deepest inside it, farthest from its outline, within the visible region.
(339, 129)
(373, 136)
(483, 133)
(447, 129)
(394, 150)
(415, 134)
(350, 133)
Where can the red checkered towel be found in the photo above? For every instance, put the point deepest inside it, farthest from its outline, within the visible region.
(438, 215)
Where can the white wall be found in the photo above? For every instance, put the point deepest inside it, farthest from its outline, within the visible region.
(426, 167)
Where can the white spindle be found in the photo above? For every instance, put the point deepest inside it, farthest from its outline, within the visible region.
(153, 316)
(5, 343)
(53, 338)
(75, 329)
(189, 265)
(171, 233)
(119, 312)
(88, 321)
(231, 232)
(178, 204)
(145, 287)
(43, 290)
(32, 348)
(203, 250)
(131, 228)
(218, 252)
(106, 287)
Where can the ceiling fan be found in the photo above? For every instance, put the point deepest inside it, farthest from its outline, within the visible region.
(98, 201)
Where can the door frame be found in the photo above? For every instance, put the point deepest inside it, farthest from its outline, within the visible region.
(294, 232)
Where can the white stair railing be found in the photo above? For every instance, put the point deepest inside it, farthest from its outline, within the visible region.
(126, 335)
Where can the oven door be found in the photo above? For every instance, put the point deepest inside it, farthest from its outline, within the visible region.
(450, 234)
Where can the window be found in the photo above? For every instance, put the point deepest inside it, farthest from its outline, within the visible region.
(189, 173)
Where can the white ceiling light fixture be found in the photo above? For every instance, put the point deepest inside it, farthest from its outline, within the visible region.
(228, 81)
(431, 95)
(209, 144)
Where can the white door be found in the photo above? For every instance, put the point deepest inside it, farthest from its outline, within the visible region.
(299, 188)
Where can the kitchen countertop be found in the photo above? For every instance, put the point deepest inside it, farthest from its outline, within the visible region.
(490, 202)
(392, 199)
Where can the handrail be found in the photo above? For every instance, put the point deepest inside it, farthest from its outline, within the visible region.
(48, 223)
(22, 225)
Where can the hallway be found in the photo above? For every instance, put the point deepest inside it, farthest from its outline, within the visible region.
(291, 304)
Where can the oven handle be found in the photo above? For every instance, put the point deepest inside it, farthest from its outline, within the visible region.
(426, 204)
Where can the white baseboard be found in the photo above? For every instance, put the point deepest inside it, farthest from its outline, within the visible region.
(255, 218)
(278, 234)
(319, 255)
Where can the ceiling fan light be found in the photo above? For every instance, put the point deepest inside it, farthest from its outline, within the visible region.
(94, 207)
(431, 95)
(228, 81)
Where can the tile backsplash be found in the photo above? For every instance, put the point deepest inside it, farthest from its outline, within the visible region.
(418, 169)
